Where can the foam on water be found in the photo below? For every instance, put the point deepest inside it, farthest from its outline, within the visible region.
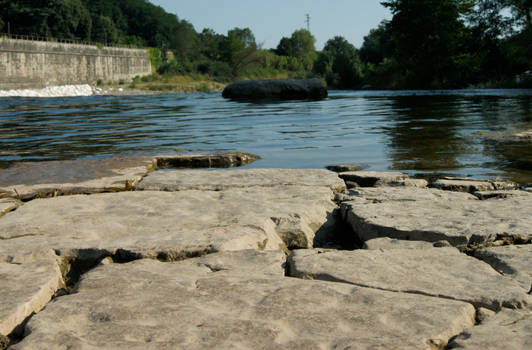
(51, 91)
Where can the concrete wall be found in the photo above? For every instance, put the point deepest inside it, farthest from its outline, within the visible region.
(37, 64)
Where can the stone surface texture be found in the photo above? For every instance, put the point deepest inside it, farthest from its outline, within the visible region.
(187, 305)
(472, 185)
(149, 223)
(27, 285)
(509, 329)
(284, 89)
(513, 260)
(228, 179)
(435, 215)
(443, 272)
(390, 243)
(371, 178)
(8, 204)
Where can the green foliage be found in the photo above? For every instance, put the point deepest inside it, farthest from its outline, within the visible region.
(340, 64)
(155, 58)
(301, 47)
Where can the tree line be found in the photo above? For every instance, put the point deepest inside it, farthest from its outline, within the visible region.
(426, 44)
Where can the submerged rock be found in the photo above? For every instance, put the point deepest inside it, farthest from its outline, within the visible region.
(284, 89)
(27, 181)
(244, 304)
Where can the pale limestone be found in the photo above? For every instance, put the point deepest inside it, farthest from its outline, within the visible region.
(8, 204)
(435, 215)
(176, 223)
(27, 285)
(187, 305)
(390, 243)
(513, 260)
(218, 180)
(473, 185)
(509, 329)
(372, 178)
(442, 272)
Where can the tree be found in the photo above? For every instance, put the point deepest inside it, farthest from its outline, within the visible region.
(301, 46)
(377, 44)
(522, 10)
(339, 63)
(239, 50)
(427, 36)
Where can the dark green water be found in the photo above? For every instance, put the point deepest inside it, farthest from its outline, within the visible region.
(462, 133)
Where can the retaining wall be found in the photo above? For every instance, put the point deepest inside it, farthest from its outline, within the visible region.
(37, 64)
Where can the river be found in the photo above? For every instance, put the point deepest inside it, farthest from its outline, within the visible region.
(424, 133)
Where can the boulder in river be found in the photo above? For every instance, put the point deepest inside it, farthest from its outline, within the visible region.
(284, 89)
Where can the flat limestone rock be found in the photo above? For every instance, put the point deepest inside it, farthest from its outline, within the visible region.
(443, 272)
(472, 185)
(371, 178)
(8, 204)
(389, 243)
(433, 215)
(508, 329)
(147, 304)
(216, 180)
(27, 285)
(486, 195)
(513, 260)
(151, 223)
(49, 179)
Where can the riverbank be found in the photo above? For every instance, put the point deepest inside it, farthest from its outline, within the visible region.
(143, 253)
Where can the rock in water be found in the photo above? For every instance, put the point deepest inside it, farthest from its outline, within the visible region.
(284, 89)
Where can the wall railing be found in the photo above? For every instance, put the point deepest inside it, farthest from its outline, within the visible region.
(64, 41)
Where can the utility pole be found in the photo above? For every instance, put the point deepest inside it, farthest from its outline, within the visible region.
(308, 22)
(8, 29)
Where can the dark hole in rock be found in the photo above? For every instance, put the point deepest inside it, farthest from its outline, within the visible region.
(336, 234)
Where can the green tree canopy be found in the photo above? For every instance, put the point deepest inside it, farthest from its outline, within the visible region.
(339, 63)
(301, 46)
(427, 37)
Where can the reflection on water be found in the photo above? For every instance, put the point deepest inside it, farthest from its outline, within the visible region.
(457, 132)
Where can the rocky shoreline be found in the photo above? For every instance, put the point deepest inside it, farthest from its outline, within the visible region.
(142, 253)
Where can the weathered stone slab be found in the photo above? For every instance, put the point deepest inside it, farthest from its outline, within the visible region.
(50, 179)
(151, 223)
(227, 179)
(443, 272)
(152, 305)
(27, 285)
(371, 178)
(389, 243)
(508, 329)
(8, 204)
(473, 185)
(433, 215)
(514, 261)
(485, 195)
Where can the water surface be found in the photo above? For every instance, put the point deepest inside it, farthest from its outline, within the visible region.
(420, 132)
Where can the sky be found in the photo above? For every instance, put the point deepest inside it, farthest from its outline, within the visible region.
(273, 19)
